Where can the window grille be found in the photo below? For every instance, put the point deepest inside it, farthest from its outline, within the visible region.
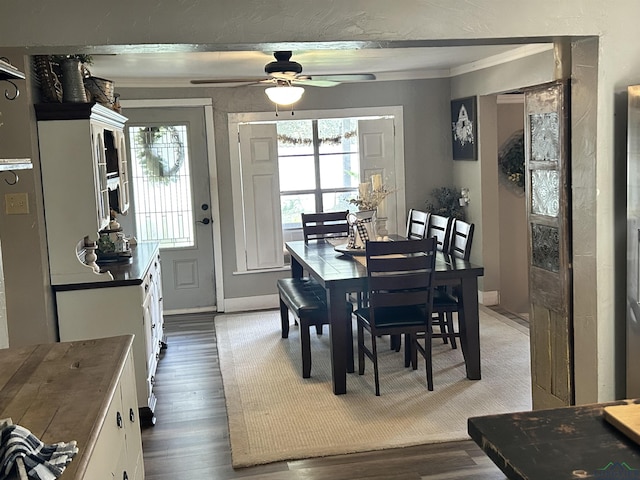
(161, 183)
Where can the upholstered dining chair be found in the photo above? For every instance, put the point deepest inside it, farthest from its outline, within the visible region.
(417, 223)
(440, 227)
(400, 291)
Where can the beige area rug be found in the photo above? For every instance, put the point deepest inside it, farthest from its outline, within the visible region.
(275, 414)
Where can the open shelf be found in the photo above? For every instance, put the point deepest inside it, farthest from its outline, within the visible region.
(9, 72)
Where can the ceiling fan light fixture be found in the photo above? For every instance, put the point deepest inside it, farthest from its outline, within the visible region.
(284, 94)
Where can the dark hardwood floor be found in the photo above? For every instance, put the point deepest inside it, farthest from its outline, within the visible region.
(191, 441)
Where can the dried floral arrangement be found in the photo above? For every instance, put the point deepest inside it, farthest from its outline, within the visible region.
(370, 195)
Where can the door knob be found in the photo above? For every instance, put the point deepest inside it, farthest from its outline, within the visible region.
(205, 221)
(204, 207)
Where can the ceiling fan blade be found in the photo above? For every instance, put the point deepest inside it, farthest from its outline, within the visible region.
(220, 81)
(312, 82)
(346, 77)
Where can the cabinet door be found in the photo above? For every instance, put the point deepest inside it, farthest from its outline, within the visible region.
(133, 462)
(100, 165)
(104, 464)
(123, 172)
(147, 312)
(157, 312)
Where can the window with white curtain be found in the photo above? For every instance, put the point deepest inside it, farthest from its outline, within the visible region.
(313, 163)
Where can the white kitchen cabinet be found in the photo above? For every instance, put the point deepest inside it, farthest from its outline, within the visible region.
(84, 173)
(83, 391)
(116, 455)
(130, 304)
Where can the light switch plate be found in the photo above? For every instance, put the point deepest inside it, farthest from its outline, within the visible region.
(16, 203)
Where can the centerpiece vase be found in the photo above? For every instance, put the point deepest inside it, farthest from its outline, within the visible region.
(366, 218)
(381, 228)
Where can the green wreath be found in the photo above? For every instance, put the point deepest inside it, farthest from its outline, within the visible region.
(511, 159)
(154, 165)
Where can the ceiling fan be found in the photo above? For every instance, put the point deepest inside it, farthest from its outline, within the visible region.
(285, 71)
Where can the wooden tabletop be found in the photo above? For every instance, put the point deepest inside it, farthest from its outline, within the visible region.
(560, 443)
(61, 391)
(331, 265)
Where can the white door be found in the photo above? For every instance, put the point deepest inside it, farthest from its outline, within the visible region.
(377, 156)
(261, 195)
(171, 201)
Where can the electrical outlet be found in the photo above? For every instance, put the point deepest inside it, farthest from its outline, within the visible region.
(16, 203)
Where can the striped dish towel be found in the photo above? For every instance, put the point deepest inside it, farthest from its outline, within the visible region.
(42, 461)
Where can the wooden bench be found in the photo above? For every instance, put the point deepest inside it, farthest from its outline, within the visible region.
(307, 301)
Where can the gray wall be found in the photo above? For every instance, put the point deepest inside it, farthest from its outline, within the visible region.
(514, 279)
(30, 310)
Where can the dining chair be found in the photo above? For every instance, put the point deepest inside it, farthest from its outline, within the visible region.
(400, 290)
(447, 301)
(318, 226)
(417, 223)
(440, 227)
(461, 239)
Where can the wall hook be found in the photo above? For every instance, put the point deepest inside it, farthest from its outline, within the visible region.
(15, 178)
(15, 95)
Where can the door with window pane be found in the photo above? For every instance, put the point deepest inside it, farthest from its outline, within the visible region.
(170, 201)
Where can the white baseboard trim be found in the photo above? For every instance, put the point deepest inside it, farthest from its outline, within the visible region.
(489, 298)
(244, 304)
(183, 311)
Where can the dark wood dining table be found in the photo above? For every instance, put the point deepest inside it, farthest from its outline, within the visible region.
(340, 275)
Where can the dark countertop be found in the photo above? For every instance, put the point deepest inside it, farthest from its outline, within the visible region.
(559, 443)
(127, 273)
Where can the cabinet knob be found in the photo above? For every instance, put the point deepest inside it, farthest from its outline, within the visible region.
(118, 420)
(132, 415)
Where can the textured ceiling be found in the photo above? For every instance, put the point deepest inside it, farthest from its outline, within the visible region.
(178, 68)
